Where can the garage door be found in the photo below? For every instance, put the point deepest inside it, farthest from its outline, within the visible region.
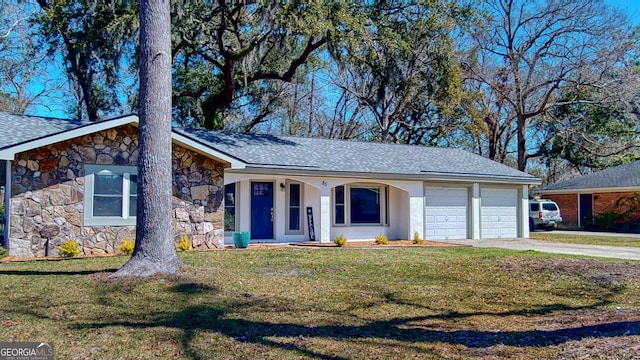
(446, 213)
(499, 213)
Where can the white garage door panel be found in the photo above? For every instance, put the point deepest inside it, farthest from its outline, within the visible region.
(446, 213)
(499, 213)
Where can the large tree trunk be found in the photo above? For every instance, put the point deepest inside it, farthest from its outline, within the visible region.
(155, 250)
(522, 143)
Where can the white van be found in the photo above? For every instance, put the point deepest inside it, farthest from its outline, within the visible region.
(543, 214)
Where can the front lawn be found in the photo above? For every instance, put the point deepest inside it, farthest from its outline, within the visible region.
(593, 239)
(412, 302)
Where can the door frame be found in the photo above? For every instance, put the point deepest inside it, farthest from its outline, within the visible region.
(580, 196)
(252, 222)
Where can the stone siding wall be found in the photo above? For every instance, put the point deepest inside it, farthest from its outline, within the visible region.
(47, 196)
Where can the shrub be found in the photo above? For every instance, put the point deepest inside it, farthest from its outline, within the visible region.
(382, 239)
(416, 238)
(127, 247)
(3, 252)
(340, 240)
(69, 249)
(184, 243)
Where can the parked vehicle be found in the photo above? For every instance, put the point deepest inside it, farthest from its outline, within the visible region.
(543, 214)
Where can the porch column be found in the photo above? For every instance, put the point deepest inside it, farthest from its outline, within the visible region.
(325, 215)
(475, 211)
(524, 212)
(416, 218)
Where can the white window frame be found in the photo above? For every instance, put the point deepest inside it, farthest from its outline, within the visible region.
(301, 214)
(125, 219)
(383, 204)
(236, 206)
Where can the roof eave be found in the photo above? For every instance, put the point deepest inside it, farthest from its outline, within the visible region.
(10, 152)
(190, 143)
(391, 176)
(589, 190)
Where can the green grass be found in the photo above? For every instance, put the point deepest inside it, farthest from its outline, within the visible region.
(325, 304)
(588, 239)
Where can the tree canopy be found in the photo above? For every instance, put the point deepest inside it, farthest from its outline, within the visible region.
(530, 83)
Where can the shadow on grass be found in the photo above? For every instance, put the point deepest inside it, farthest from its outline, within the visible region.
(404, 329)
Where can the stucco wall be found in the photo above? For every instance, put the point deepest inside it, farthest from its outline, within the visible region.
(47, 186)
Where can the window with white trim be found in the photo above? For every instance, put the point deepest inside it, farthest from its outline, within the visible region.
(294, 206)
(230, 197)
(338, 196)
(111, 195)
(361, 204)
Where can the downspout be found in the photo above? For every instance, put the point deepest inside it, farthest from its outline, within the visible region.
(7, 197)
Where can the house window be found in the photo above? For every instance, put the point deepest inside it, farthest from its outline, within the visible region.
(339, 205)
(365, 205)
(111, 195)
(230, 207)
(294, 206)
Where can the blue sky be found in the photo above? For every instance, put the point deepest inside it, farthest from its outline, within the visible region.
(630, 7)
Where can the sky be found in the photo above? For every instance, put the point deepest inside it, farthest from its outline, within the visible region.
(630, 7)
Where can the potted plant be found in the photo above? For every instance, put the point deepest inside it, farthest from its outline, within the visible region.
(241, 239)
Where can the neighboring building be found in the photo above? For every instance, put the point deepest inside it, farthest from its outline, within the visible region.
(73, 180)
(604, 200)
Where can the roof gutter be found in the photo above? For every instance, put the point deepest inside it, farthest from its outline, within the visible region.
(590, 190)
(387, 176)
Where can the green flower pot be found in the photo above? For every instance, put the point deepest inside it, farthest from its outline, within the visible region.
(241, 239)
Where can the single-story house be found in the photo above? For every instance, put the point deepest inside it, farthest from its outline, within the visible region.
(73, 180)
(607, 199)
(360, 190)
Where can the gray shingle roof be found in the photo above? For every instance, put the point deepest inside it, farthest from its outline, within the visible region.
(622, 176)
(313, 154)
(300, 154)
(17, 129)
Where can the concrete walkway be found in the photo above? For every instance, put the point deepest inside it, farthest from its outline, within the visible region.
(616, 252)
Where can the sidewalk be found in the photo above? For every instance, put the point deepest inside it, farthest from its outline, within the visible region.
(595, 233)
(616, 252)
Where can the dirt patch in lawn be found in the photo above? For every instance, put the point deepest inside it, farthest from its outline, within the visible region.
(600, 272)
(600, 333)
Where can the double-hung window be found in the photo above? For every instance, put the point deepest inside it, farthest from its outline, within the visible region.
(357, 204)
(111, 195)
(230, 196)
(294, 206)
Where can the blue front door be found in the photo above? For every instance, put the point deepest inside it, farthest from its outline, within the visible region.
(262, 210)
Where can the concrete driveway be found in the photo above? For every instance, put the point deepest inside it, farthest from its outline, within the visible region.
(616, 252)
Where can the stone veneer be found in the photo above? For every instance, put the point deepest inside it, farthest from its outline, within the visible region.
(47, 194)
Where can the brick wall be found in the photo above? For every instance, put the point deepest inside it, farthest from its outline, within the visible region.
(568, 204)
